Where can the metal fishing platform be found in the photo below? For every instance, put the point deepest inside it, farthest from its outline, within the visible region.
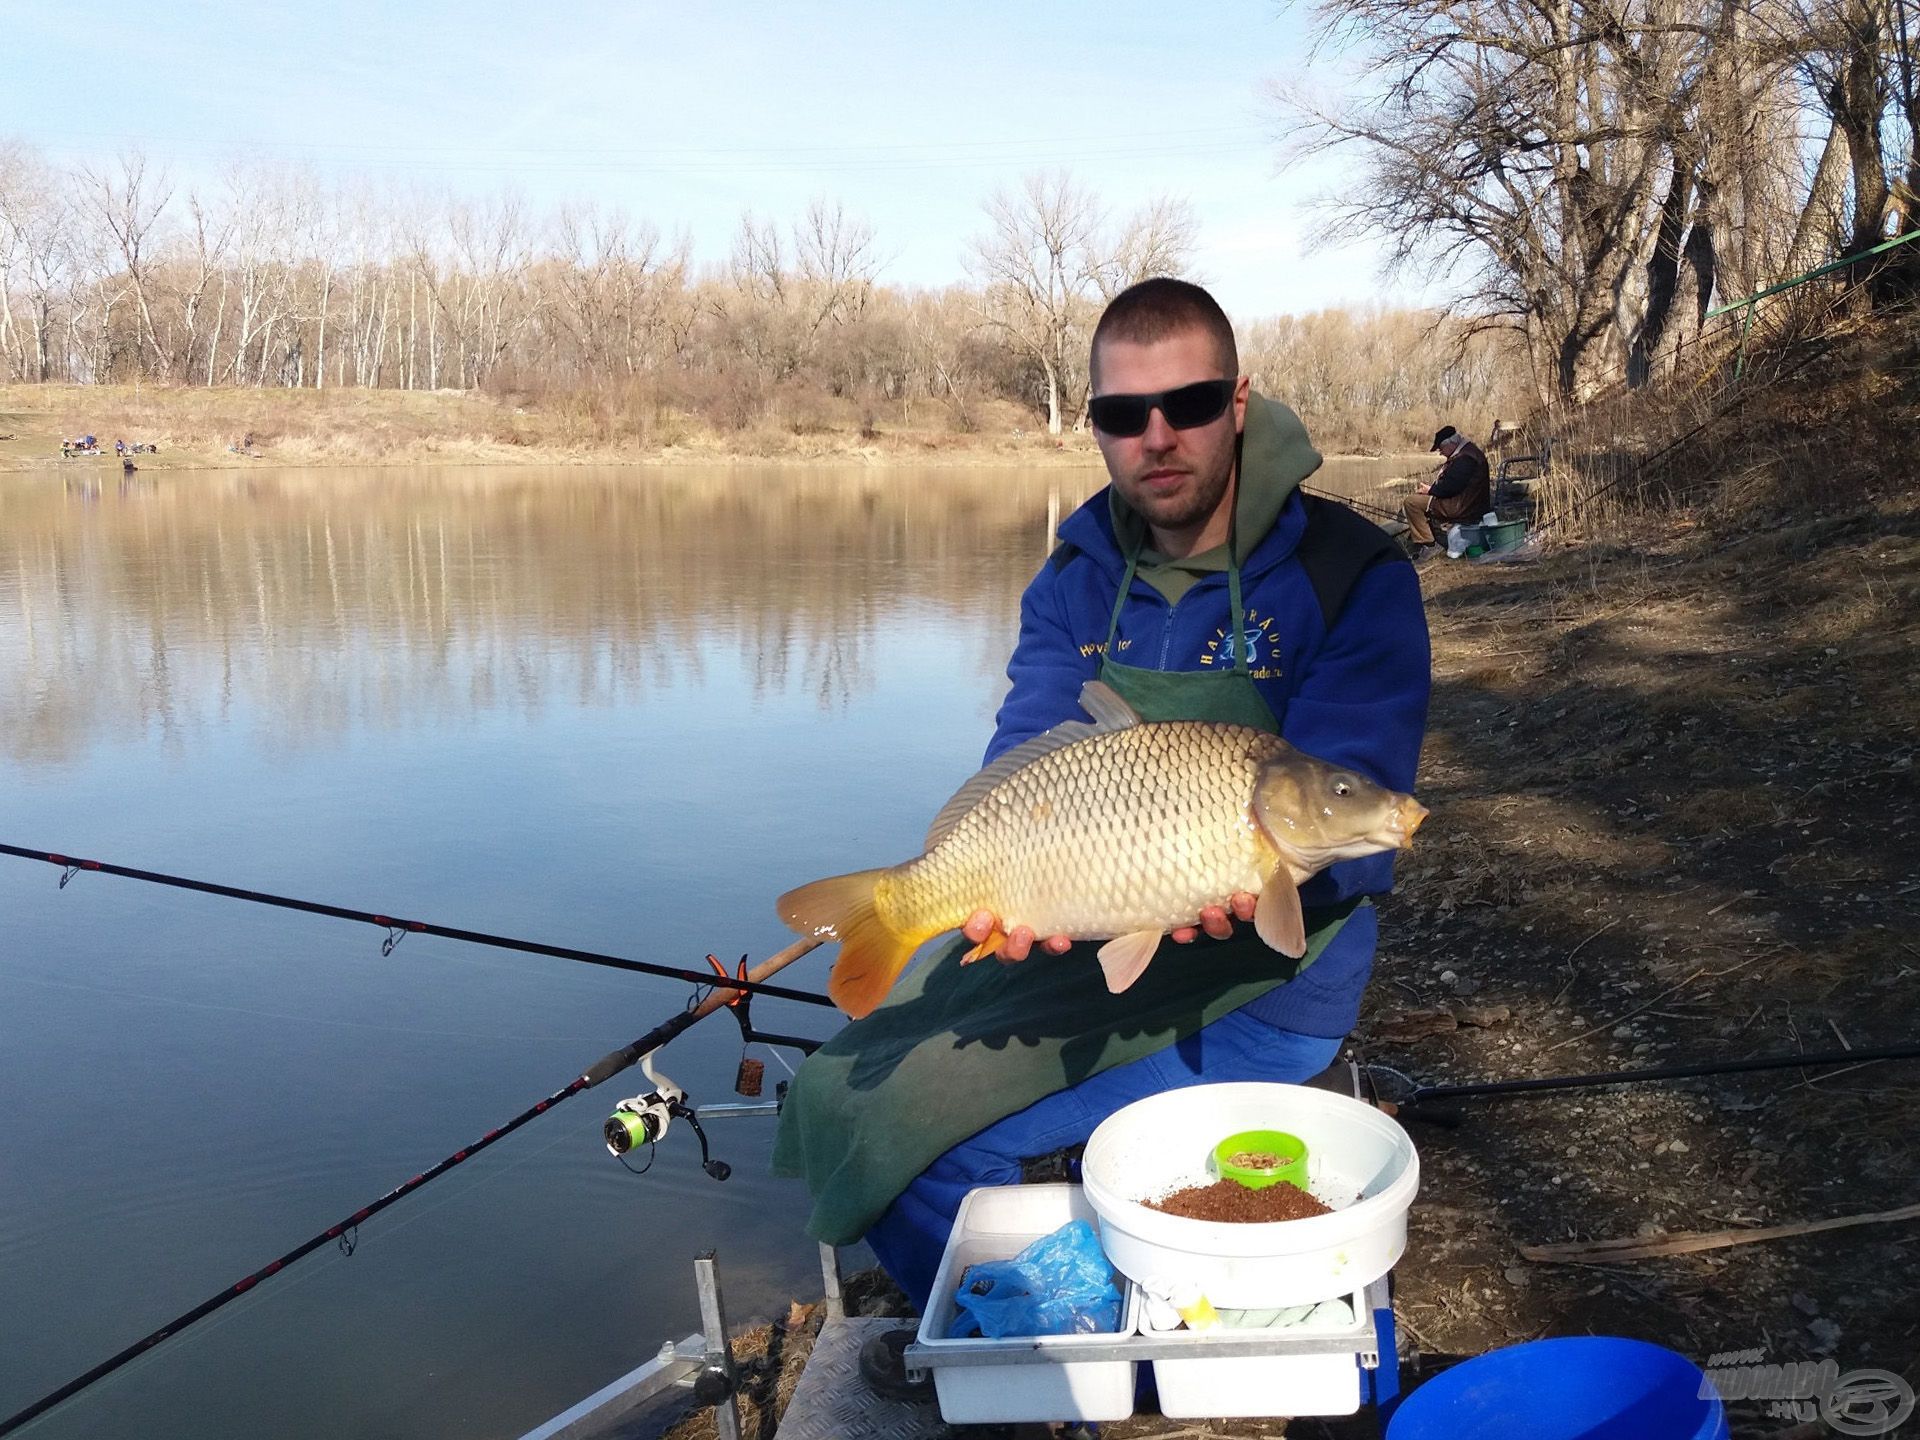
(833, 1401)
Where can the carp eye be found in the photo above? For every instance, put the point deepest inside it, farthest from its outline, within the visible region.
(1340, 787)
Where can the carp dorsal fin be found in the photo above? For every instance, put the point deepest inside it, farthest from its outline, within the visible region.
(1097, 698)
(1109, 711)
(1023, 754)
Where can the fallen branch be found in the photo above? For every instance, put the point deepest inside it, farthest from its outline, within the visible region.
(1606, 1252)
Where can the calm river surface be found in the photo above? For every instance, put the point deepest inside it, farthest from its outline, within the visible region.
(615, 709)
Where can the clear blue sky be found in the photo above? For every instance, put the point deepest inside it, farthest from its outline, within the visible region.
(689, 113)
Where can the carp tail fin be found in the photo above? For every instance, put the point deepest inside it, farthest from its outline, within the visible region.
(872, 953)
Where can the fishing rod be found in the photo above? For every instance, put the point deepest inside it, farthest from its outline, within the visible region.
(344, 1233)
(397, 930)
(1354, 501)
(1417, 1095)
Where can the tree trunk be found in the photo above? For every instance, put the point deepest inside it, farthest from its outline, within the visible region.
(320, 346)
(413, 329)
(1858, 111)
(219, 323)
(1703, 262)
(1663, 270)
(43, 338)
(1822, 217)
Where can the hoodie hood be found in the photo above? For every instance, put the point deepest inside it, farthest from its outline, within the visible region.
(1275, 457)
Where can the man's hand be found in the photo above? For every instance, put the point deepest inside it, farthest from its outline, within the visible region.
(1216, 919)
(1423, 488)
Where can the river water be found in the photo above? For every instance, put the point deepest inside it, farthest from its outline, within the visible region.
(613, 709)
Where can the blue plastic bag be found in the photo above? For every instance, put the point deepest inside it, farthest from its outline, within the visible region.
(1061, 1284)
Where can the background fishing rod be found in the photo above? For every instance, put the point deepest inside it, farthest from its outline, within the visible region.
(399, 929)
(1416, 1101)
(342, 1232)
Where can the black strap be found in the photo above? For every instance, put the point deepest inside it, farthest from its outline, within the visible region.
(1337, 547)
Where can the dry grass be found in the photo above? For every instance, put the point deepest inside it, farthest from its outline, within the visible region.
(769, 1361)
(1818, 418)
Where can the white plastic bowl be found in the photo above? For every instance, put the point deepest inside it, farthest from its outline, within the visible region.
(1358, 1161)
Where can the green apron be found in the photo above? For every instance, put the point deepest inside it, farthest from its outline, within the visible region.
(957, 1047)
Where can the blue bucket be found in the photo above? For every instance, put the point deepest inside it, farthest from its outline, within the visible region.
(1581, 1387)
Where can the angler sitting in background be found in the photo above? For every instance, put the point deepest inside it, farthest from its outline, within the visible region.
(1200, 585)
(1462, 491)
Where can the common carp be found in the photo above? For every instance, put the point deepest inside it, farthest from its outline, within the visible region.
(1118, 830)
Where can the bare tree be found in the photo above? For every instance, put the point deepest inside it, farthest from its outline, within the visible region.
(1049, 255)
(129, 204)
(37, 239)
(835, 256)
(211, 234)
(1157, 240)
(1580, 164)
(1038, 266)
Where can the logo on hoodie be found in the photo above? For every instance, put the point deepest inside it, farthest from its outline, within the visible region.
(1262, 650)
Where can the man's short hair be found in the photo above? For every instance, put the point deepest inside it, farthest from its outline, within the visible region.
(1151, 310)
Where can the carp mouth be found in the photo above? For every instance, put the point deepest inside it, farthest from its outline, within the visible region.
(1396, 831)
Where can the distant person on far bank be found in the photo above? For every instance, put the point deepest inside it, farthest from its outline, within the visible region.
(1463, 490)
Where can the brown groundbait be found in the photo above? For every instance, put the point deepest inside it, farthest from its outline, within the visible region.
(1230, 1200)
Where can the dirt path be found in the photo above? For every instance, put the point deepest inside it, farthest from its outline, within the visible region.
(1674, 800)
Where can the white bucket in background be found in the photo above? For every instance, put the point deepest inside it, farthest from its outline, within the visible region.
(1358, 1160)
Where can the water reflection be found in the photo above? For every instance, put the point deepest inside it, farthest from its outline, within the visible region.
(305, 603)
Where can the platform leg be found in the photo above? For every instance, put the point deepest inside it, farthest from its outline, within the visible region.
(713, 1321)
(830, 1278)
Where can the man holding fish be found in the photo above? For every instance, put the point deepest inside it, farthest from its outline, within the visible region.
(1255, 666)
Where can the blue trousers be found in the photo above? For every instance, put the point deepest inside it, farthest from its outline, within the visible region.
(911, 1236)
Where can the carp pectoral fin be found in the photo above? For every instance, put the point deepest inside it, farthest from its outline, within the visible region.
(1124, 958)
(992, 945)
(1277, 918)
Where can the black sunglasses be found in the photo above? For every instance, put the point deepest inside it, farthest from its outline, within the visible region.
(1200, 403)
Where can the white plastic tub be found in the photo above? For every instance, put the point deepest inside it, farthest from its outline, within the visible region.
(1019, 1378)
(1223, 1387)
(1358, 1161)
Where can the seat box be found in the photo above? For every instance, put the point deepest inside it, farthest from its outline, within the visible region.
(1019, 1378)
(1223, 1387)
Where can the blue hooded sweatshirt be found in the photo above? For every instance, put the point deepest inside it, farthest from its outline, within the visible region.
(1355, 694)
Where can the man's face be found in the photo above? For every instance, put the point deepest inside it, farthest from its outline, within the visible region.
(1177, 480)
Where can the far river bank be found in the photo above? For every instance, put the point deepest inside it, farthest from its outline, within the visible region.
(195, 428)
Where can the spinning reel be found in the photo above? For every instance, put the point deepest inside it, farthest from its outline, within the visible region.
(644, 1119)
